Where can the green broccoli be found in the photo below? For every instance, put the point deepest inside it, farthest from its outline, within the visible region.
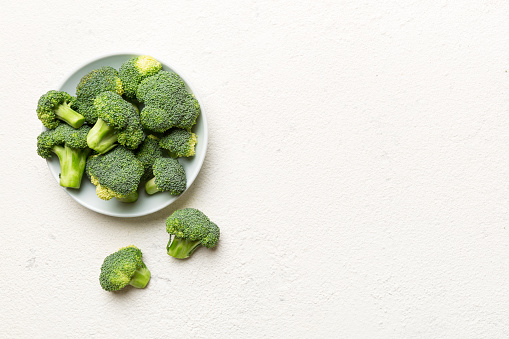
(179, 142)
(148, 152)
(169, 175)
(116, 174)
(92, 84)
(134, 70)
(122, 268)
(190, 228)
(167, 103)
(70, 145)
(117, 122)
(55, 106)
(161, 84)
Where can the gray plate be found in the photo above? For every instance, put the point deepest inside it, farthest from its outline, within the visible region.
(146, 204)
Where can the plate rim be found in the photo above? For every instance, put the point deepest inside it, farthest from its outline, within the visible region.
(201, 159)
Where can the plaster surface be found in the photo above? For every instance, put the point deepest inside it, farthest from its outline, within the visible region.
(357, 166)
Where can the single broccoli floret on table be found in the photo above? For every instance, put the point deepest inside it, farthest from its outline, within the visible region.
(134, 70)
(117, 122)
(116, 174)
(148, 152)
(190, 228)
(167, 103)
(55, 106)
(169, 175)
(91, 85)
(70, 145)
(122, 268)
(179, 142)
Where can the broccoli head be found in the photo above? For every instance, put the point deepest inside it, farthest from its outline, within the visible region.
(134, 70)
(169, 175)
(122, 268)
(148, 152)
(55, 106)
(190, 228)
(167, 103)
(117, 121)
(179, 142)
(159, 85)
(116, 174)
(92, 84)
(70, 145)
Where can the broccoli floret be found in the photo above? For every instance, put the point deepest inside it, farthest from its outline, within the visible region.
(116, 174)
(148, 152)
(163, 83)
(122, 268)
(190, 228)
(117, 122)
(92, 84)
(167, 103)
(55, 106)
(179, 142)
(134, 70)
(70, 145)
(169, 175)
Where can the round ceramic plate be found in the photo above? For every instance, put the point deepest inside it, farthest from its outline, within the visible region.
(146, 204)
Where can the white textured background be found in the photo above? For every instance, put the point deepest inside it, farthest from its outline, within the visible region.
(357, 166)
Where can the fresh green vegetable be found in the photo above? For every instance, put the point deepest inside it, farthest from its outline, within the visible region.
(122, 268)
(91, 85)
(55, 106)
(167, 103)
(117, 121)
(134, 70)
(190, 228)
(179, 142)
(70, 145)
(116, 174)
(169, 175)
(148, 152)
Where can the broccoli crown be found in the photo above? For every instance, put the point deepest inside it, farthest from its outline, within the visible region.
(116, 173)
(119, 268)
(119, 115)
(134, 70)
(45, 142)
(179, 142)
(167, 103)
(169, 175)
(62, 135)
(111, 108)
(155, 119)
(74, 138)
(148, 152)
(132, 136)
(163, 82)
(191, 224)
(92, 84)
(55, 106)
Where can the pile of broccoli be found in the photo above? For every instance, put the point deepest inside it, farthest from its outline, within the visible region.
(127, 129)
(124, 129)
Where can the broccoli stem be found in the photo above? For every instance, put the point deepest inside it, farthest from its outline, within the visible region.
(66, 113)
(181, 248)
(130, 198)
(141, 277)
(72, 165)
(102, 137)
(150, 186)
